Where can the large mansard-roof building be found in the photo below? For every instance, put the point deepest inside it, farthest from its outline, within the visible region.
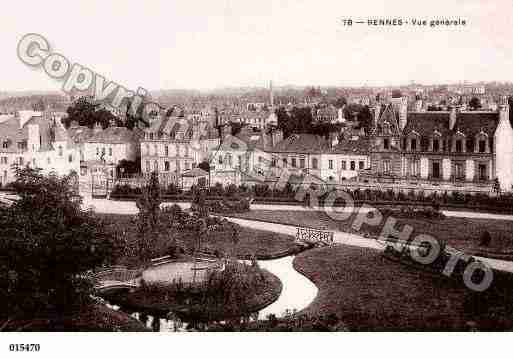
(467, 149)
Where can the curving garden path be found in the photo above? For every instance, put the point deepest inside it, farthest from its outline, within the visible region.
(298, 291)
(355, 240)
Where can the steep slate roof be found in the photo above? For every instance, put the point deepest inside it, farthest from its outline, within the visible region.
(210, 132)
(10, 131)
(232, 143)
(425, 123)
(469, 123)
(254, 140)
(113, 135)
(79, 134)
(327, 111)
(361, 146)
(302, 143)
(253, 114)
(388, 114)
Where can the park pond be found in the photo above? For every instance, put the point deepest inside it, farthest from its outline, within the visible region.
(297, 291)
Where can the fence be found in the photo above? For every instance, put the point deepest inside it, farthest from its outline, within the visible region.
(314, 236)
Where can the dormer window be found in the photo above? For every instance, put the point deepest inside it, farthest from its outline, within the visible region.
(5, 144)
(436, 145)
(459, 146)
(482, 146)
(386, 128)
(386, 143)
(413, 144)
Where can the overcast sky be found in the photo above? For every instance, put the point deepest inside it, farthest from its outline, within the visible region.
(218, 43)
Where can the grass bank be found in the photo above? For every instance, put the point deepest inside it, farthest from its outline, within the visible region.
(370, 293)
(461, 233)
(262, 244)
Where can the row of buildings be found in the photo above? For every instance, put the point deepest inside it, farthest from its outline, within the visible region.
(431, 150)
(40, 140)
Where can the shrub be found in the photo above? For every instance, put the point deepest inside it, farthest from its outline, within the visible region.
(173, 189)
(261, 190)
(231, 190)
(485, 239)
(125, 190)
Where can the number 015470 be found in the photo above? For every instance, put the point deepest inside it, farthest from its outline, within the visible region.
(24, 347)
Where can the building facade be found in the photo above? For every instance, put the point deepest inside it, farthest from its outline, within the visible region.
(174, 145)
(38, 140)
(449, 148)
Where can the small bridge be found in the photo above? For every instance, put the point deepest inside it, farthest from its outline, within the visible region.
(314, 237)
(116, 277)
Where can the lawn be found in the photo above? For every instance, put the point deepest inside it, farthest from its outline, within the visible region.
(368, 292)
(461, 233)
(262, 244)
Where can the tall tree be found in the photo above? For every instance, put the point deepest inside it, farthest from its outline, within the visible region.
(340, 102)
(284, 122)
(474, 103)
(302, 119)
(149, 225)
(86, 113)
(46, 244)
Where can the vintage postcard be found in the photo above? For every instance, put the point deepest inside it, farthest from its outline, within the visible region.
(254, 166)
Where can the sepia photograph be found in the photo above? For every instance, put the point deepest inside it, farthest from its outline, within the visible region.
(241, 167)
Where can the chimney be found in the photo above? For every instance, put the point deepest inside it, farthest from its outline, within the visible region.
(377, 111)
(265, 139)
(333, 139)
(503, 109)
(452, 118)
(276, 137)
(340, 117)
(418, 105)
(33, 142)
(403, 112)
